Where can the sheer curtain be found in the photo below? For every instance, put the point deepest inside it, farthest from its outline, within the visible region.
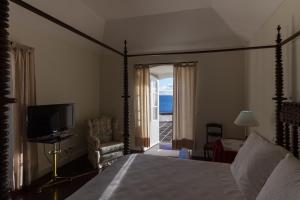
(142, 105)
(184, 105)
(25, 157)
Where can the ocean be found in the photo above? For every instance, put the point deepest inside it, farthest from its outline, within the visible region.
(165, 103)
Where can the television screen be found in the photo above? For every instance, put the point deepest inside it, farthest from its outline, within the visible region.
(46, 120)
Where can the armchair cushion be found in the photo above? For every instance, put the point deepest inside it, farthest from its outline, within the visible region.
(106, 132)
(110, 156)
(101, 128)
(111, 147)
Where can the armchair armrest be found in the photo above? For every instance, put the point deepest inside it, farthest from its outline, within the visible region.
(93, 151)
(93, 142)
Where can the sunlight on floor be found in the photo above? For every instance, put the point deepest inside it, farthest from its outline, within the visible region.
(109, 191)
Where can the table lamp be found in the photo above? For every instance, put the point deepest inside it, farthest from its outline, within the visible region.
(246, 119)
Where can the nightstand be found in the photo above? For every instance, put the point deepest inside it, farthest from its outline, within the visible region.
(225, 150)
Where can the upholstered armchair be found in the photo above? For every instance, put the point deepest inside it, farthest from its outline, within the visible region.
(104, 141)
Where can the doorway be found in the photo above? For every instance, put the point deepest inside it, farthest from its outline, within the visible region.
(161, 106)
(154, 110)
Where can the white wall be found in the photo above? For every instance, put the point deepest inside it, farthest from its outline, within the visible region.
(75, 13)
(261, 67)
(67, 70)
(221, 87)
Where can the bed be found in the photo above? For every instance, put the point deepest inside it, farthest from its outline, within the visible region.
(140, 176)
(147, 177)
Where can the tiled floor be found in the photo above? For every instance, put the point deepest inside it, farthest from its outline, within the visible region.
(165, 131)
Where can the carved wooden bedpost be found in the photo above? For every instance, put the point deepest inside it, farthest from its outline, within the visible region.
(4, 99)
(126, 102)
(279, 97)
(295, 140)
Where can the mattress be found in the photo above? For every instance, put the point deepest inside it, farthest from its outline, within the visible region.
(146, 177)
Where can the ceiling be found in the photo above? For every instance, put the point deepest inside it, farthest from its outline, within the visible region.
(164, 25)
(118, 9)
(244, 17)
(177, 31)
(162, 71)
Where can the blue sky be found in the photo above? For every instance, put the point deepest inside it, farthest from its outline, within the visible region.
(166, 86)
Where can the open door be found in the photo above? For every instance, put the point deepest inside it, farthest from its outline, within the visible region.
(154, 111)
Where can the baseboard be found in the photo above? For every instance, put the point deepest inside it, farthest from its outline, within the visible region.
(65, 160)
(198, 153)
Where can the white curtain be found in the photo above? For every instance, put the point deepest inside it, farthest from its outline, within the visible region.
(184, 105)
(142, 105)
(25, 155)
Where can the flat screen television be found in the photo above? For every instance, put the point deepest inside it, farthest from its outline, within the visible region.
(49, 120)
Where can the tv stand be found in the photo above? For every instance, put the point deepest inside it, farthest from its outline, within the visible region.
(51, 139)
(55, 141)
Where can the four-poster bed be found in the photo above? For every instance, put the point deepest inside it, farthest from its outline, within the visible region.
(4, 99)
(287, 113)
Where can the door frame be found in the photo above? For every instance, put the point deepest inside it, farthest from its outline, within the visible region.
(154, 110)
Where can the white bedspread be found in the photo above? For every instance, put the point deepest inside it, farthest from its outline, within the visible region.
(147, 177)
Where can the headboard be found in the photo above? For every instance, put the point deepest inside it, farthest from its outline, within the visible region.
(290, 119)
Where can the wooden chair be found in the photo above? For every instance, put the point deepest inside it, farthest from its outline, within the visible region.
(214, 132)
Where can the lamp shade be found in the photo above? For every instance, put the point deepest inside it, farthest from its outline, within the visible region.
(246, 119)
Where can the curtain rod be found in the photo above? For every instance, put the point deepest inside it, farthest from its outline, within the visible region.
(15, 44)
(64, 25)
(166, 63)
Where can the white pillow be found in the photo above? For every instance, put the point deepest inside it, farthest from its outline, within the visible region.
(254, 163)
(284, 182)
